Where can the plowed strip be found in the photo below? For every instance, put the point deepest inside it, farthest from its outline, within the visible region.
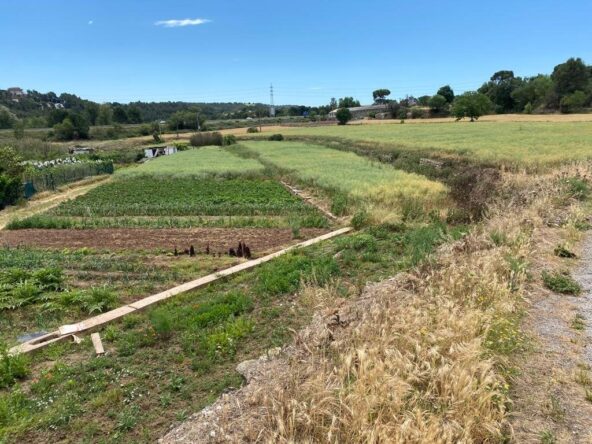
(218, 239)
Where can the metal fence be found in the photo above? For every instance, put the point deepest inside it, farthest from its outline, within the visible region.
(54, 177)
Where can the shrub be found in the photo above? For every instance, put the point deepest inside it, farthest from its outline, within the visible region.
(11, 172)
(339, 205)
(577, 188)
(563, 251)
(162, 323)
(12, 368)
(561, 282)
(417, 113)
(528, 108)
(206, 139)
(229, 139)
(360, 220)
(473, 188)
(343, 116)
(252, 129)
(276, 137)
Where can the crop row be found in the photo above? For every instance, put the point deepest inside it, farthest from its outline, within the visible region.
(140, 196)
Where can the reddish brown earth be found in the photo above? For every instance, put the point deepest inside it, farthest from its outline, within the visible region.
(218, 239)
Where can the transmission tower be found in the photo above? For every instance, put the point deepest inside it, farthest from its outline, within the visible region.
(271, 105)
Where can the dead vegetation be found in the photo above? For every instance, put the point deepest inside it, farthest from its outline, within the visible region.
(428, 356)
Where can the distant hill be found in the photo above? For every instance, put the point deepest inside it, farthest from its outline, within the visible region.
(38, 110)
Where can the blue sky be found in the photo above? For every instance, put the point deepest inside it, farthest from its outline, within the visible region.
(311, 51)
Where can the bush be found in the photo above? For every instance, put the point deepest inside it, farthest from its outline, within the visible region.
(252, 129)
(360, 220)
(417, 113)
(528, 108)
(339, 205)
(229, 139)
(343, 116)
(11, 171)
(206, 139)
(561, 282)
(577, 188)
(12, 368)
(162, 323)
(276, 137)
(473, 188)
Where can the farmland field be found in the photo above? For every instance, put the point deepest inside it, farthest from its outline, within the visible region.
(505, 142)
(376, 184)
(206, 161)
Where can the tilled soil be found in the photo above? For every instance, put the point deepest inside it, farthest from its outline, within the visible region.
(219, 240)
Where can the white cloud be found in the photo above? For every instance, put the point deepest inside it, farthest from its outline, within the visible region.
(182, 22)
(90, 22)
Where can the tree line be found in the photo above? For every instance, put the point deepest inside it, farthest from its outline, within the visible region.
(567, 89)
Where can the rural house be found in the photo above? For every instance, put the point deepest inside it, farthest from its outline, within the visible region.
(359, 112)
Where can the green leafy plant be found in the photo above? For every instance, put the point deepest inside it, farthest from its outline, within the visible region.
(561, 282)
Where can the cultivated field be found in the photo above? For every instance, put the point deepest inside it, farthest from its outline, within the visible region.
(427, 354)
(510, 143)
(379, 187)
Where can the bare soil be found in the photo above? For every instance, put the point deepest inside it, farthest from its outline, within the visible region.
(219, 240)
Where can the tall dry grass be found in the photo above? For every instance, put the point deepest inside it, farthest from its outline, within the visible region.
(422, 357)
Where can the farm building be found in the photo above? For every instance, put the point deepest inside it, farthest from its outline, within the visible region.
(157, 151)
(81, 150)
(359, 112)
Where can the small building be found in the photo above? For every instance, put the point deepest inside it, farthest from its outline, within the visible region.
(157, 151)
(359, 112)
(81, 150)
(15, 92)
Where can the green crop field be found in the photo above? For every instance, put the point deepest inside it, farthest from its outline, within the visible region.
(207, 161)
(376, 184)
(508, 143)
(179, 202)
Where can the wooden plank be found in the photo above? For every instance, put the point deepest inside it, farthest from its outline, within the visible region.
(66, 331)
(97, 343)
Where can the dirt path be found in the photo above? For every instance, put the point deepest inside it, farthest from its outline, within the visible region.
(46, 201)
(584, 303)
(551, 387)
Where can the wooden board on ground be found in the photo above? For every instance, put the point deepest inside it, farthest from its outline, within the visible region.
(67, 331)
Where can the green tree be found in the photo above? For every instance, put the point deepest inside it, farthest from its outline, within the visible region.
(380, 95)
(332, 104)
(573, 102)
(343, 115)
(423, 100)
(91, 111)
(446, 92)
(7, 119)
(134, 115)
(471, 104)
(19, 130)
(64, 130)
(11, 176)
(438, 104)
(105, 115)
(499, 89)
(528, 108)
(571, 76)
(534, 90)
(348, 102)
(119, 114)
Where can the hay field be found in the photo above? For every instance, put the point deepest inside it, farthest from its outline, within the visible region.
(508, 143)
